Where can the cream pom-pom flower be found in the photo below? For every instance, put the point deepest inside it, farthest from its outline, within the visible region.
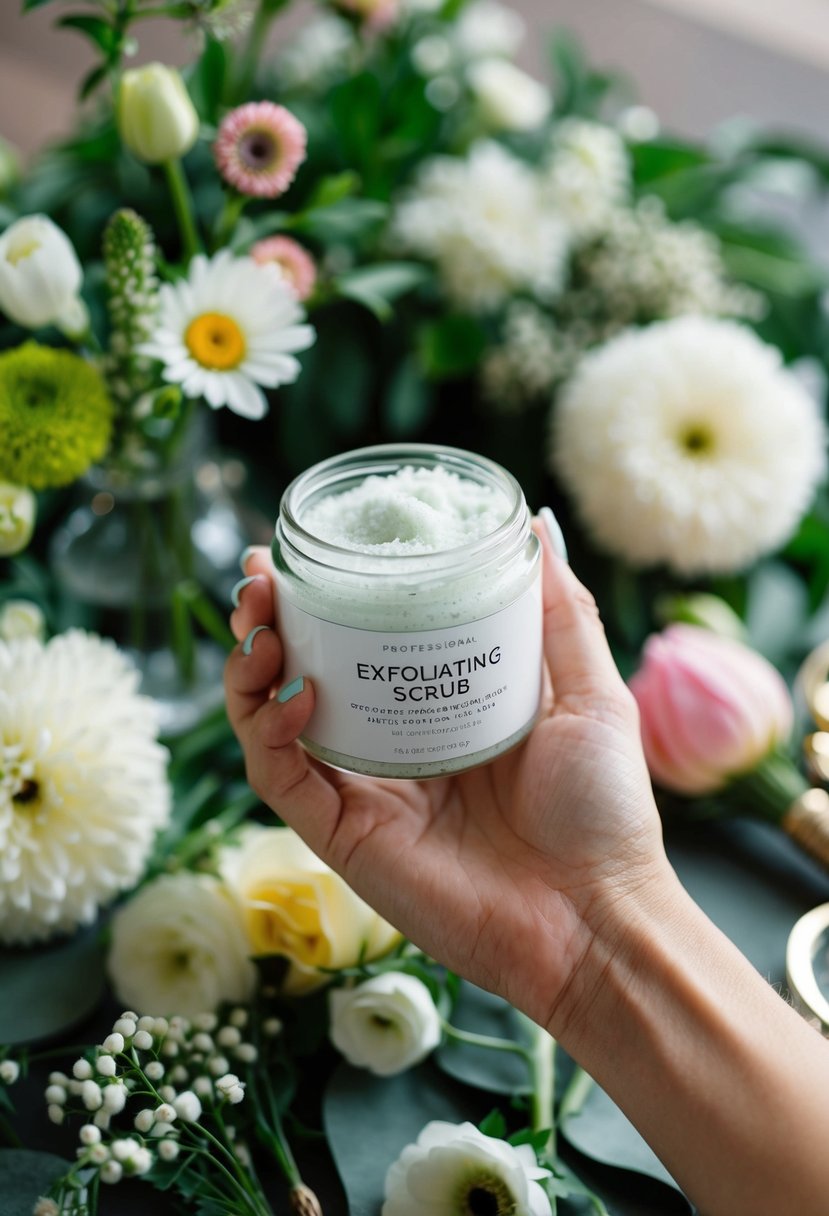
(688, 443)
(228, 328)
(83, 782)
(179, 946)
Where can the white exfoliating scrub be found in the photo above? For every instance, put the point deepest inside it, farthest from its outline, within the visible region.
(408, 590)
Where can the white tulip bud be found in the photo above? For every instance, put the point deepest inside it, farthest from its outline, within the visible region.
(40, 275)
(18, 510)
(509, 99)
(156, 119)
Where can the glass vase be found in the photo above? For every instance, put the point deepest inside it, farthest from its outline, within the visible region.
(151, 550)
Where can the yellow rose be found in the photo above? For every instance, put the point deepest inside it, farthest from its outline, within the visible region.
(295, 905)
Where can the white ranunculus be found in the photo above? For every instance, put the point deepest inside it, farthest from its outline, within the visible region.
(40, 275)
(387, 1024)
(21, 619)
(509, 99)
(295, 905)
(689, 443)
(18, 510)
(454, 1169)
(179, 946)
(486, 27)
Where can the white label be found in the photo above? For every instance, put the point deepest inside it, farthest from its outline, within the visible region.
(416, 697)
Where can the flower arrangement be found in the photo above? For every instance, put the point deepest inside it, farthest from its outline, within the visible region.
(385, 230)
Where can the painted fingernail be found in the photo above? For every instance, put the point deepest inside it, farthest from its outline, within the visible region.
(247, 645)
(239, 588)
(291, 690)
(553, 530)
(246, 555)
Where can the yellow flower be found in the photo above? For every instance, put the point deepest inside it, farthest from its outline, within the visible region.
(157, 121)
(296, 906)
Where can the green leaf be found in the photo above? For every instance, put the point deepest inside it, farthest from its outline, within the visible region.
(206, 83)
(92, 79)
(498, 1072)
(494, 1125)
(369, 1121)
(661, 158)
(333, 189)
(356, 108)
(99, 32)
(408, 402)
(451, 347)
(30, 5)
(376, 286)
(25, 1176)
(348, 219)
(48, 989)
(778, 609)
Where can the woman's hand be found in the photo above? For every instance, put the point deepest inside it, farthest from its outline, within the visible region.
(505, 872)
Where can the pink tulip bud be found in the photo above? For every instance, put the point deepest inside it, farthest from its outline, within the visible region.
(710, 708)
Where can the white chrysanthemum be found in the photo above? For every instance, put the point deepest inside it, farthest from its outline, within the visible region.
(455, 1169)
(689, 443)
(486, 28)
(484, 222)
(179, 946)
(318, 49)
(588, 176)
(231, 326)
(83, 784)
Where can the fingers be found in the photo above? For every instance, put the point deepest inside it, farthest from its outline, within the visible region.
(575, 646)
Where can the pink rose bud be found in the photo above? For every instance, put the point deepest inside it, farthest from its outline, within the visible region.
(710, 707)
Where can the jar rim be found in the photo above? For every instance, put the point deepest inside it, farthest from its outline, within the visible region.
(388, 458)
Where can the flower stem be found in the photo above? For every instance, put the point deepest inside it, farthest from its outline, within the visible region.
(542, 1103)
(183, 207)
(485, 1040)
(768, 791)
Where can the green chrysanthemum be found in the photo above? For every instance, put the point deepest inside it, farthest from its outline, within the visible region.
(55, 416)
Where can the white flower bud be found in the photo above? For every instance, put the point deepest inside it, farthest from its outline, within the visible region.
(91, 1095)
(56, 1094)
(238, 1017)
(202, 1042)
(168, 1150)
(164, 1113)
(160, 1027)
(247, 1053)
(169, 1048)
(142, 1040)
(125, 1025)
(10, 1071)
(113, 1042)
(156, 119)
(179, 1026)
(21, 618)
(206, 1021)
(115, 1098)
(102, 1118)
(203, 1086)
(147, 1023)
(75, 1087)
(188, 1106)
(162, 1129)
(106, 1066)
(141, 1162)
(89, 1134)
(82, 1069)
(45, 1207)
(218, 1065)
(167, 1093)
(228, 1036)
(179, 1075)
(387, 1024)
(123, 1149)
(98, 1154)
(154, 1070)
(144, 1120)
(40, 275)
(509, 99)
(54, 1113)
(111, 1172)
(58, 1078)
(272, 1027)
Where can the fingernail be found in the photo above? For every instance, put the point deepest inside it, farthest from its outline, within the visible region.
(553, 530)
(247, 645)
(239, 588)
(243, 560)
(291, 690)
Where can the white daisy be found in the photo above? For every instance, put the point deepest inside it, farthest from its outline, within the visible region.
(456, 1170)
(231, 326)
(688, 443)
(83, 785)
(484, 222)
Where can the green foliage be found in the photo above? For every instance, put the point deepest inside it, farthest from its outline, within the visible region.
(26, 1175)
(48, 990)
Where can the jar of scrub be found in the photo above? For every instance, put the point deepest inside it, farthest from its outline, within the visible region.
(408, 588)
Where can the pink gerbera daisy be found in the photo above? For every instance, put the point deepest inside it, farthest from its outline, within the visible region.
(295, 263)
(259, 148)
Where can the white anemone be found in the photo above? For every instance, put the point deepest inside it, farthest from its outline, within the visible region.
(83, 785)
(228, 328)
(689, 444)
(387, 1024)
(456, 1170)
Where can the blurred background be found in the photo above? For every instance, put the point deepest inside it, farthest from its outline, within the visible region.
(696, 62)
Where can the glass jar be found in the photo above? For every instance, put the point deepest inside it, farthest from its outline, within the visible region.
(422, 664)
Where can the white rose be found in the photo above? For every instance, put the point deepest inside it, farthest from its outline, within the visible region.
(179, 946)
(509, 99)
(451, 1161)
(486, 27)
(387, 1024)
(40, 275)
(295, 905)
(18, 508)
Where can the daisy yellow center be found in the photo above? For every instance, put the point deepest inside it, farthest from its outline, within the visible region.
(697, 439)
(216, 341)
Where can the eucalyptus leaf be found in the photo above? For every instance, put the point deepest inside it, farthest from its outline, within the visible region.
(778, 609)
(49, 989)
(347, 219)
(369, 1121)
(25, 1176)
(500, 1072)
(376, 286)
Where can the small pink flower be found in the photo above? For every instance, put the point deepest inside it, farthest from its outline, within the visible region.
(259, 148)
(294, 263)
(710, 708)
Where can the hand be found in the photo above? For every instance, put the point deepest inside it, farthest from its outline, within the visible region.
(506, 872)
